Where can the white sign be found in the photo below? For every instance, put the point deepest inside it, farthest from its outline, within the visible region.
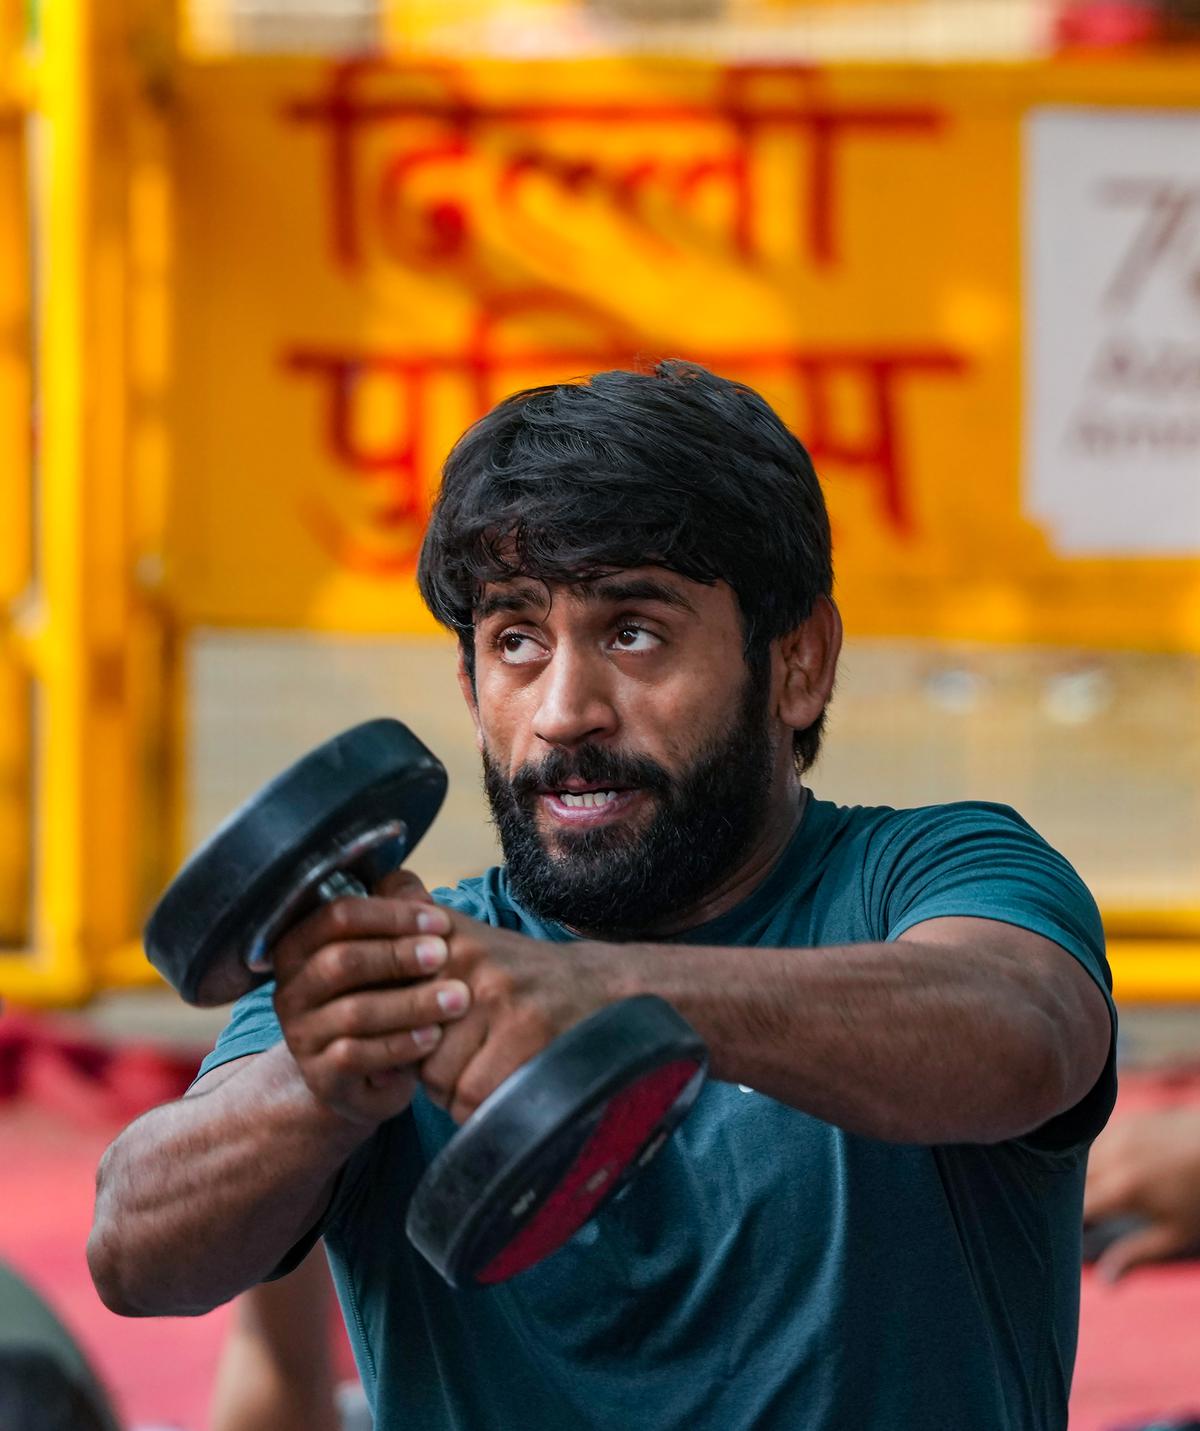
(1112, 330)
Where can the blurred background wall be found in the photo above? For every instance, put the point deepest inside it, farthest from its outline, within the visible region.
(262, 260)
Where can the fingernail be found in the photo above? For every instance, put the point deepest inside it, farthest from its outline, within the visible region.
(431, 953)
(433, 921)
(453, 999)
(427, 1037)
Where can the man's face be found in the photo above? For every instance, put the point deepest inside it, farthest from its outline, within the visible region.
(628, 755)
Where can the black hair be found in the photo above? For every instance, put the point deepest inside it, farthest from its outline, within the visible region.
(676, 467)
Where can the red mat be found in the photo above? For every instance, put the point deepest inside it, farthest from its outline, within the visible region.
(157, 1370)
(1139, 1348)
(63, 1100)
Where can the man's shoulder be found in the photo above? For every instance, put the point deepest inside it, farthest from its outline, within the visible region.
(903, 852)
(879, 828)
(970, 857)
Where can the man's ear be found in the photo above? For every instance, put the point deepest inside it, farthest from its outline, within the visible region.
(467, 686)
(809, 655)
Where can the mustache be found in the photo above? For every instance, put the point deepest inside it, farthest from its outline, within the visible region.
(592, 764)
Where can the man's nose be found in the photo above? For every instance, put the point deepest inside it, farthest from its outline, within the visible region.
(575, 702)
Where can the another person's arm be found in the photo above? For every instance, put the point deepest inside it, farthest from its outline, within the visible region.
(1146, 1166)
(276, 1370)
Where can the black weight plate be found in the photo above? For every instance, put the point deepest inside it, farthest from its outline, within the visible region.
(199, 933)
(517, 1152)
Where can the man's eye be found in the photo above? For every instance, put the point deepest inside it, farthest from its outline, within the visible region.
(635, 638)
(515, 647)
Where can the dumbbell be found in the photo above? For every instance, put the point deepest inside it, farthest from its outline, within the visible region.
(566, 1132)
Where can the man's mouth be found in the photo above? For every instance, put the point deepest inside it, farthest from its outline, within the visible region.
(586, 804)
(586, 799)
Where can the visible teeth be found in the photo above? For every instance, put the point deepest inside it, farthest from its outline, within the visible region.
(588, 799)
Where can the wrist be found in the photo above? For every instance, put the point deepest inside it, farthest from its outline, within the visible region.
(616, 971)
(316, 1120)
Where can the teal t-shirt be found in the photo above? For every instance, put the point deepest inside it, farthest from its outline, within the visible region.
(768, 1272)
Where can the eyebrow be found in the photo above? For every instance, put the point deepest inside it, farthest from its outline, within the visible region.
(614, 590)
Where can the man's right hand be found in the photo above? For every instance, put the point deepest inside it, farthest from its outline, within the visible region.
(359, 1000)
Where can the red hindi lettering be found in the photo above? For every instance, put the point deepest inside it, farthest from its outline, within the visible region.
(395, 469)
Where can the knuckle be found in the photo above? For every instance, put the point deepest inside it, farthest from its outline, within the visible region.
(353, 1015)
(338, 919)
(492, 986)
(341, 963)
(471, 1091)
(342, 1055)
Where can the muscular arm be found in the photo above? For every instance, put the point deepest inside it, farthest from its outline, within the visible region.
(963, 1030)
(202, 1198)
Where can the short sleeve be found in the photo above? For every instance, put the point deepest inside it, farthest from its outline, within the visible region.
(985, 862)
(252, 1028)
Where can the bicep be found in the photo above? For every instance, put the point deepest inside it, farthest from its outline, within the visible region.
(1055, 981)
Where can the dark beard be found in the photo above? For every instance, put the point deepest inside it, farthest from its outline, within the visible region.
(621, 883)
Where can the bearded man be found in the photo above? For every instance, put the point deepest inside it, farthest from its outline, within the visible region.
(871, 1218)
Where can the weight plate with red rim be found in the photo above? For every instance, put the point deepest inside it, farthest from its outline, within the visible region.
(555, 1141)
(377, 775)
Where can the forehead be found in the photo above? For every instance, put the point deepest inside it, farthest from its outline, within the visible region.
(638, 585)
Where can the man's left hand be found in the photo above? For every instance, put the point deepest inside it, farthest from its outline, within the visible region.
(524, 993)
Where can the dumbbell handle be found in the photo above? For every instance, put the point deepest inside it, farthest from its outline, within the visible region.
(328, 878)
(340, 885)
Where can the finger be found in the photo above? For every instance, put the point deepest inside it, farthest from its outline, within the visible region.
(341, 965)
(403, 884)
(361, 1058)
(459, 1044)
(495, 1060)
(1148, 1244)
(368, 1013)
(355, 919)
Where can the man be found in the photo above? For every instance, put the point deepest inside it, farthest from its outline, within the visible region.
(872, 1216)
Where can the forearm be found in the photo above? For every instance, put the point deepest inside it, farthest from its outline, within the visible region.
(912, 1043)
(202, 1198)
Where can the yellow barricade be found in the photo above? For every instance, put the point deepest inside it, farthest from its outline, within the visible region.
(370, 255)
(15, 690)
